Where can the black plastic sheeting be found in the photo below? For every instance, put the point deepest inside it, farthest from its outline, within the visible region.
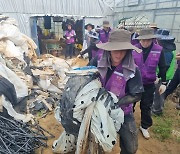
(75, 83)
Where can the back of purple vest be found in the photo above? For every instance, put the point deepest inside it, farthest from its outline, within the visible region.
(103, 36)
(117, 85)
(148, 68)
(134, 42)
(97, 53)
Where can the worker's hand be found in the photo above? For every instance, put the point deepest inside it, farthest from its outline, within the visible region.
(157, 81)
(79, 56)
(162, 89)
(68, 38)
(178, 56)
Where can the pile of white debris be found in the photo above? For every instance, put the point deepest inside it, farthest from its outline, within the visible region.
(37, 81)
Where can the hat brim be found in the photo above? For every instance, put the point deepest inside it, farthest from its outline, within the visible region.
(69, 24)
(163, 37)
(145, 37)
(110, 46)
(89, 25)
(106, 25)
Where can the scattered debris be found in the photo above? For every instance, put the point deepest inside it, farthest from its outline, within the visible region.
(38, 81)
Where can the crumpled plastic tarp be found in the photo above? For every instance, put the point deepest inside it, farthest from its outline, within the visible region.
(13, 43)
(8, 106)
(85, 106)
(11, 32)
(20, 87)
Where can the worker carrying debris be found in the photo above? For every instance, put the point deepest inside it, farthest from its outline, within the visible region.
(90, 107)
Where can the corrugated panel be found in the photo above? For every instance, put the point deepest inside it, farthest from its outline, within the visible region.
(22, 20)
(34, 6)
(68, 7)
(22, 10)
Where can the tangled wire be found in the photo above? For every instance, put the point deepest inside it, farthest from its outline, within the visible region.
(20, 138)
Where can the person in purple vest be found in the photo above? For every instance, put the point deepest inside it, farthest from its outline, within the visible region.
(175, 81)
(134, 35)
(89, 27)
(155, 28)
(147, 61)
(104, 33)
(70, 40)
(92, 50)
(120, 75)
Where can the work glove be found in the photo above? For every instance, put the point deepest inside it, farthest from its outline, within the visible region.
(162, 89)
(157, 81)
(79, 56)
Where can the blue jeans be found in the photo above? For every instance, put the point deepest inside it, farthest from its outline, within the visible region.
(69, 50)
(128, 135)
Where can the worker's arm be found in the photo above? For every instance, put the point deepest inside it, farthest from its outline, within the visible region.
(89, 49)
(128, 99)
(162, 67)
(93, 62)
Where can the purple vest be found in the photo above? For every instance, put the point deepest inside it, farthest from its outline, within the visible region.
(103, 37)
(134, 42)
(70, 34)
(117, 84)
(148, 68)
(97, 53)
(155, 41)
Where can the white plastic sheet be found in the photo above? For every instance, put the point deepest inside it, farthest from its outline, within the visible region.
(6, 104)
(13, 51)
(12, 33)
(20, 87)
(95, 117)
(65, 143)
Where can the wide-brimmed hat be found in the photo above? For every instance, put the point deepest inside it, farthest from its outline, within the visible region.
(89, 25)
(164, 34)
(93, 35)
(69, 24)
(153, 25)
(132, 29)
(147, 33)
(118, 40)
(106, 24)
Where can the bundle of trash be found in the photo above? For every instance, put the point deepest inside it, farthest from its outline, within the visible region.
(36, 82)
(86, 111)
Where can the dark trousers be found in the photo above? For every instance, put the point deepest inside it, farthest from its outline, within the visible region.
(174, 83)
(69, 50)
(128, 135)
(158, 102)
(146, 104)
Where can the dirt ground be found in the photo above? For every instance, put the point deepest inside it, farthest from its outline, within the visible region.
(151, 146)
